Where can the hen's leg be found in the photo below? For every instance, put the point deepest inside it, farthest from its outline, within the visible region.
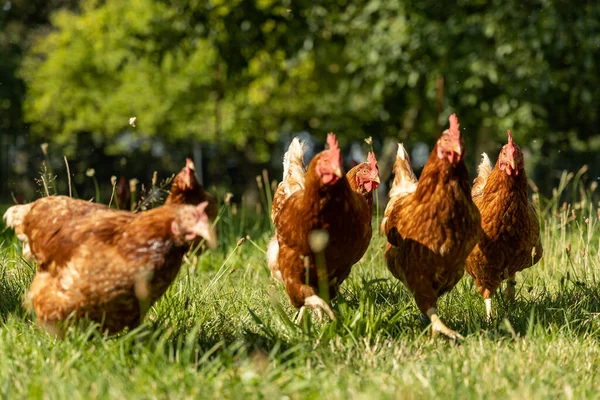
(303, 296)
(318, 305)
(426, 301)
(272, 259)
(487, 298)
(437, 326)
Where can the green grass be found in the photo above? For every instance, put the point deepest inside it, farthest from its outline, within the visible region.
(224, 330)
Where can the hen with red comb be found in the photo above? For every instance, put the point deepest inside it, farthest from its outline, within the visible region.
(322, 228)
(451, 145)
(431, 225)
(106, 265)
(364, 177)
(511, 238)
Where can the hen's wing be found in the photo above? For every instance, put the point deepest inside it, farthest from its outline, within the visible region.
(54, 247)
(287, 228)
(293, 175)
(14, 216)
(405, 182)
(41, 220)
(483, 172)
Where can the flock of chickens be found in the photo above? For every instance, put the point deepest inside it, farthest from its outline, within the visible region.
(110, 266)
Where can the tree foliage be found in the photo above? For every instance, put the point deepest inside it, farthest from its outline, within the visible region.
(241, 73)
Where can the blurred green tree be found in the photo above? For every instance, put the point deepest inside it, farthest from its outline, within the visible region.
(240, 73)
(20, 22)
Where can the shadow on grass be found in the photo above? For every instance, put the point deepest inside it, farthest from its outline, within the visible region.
(384, 306)
(573, 310)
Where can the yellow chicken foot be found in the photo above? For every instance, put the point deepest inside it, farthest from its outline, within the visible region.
(437, 326)
(318, 305)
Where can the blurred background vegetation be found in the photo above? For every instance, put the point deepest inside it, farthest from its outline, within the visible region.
(228, 82)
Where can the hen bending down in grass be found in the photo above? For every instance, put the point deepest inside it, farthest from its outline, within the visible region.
(510, 241)
(320, 202)
(431, 225)
(106, 265)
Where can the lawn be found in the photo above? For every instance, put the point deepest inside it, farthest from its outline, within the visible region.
(224, 329)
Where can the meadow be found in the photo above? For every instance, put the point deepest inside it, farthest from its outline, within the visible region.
(224, 329)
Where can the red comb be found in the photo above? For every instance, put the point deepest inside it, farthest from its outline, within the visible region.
(454, 125)
(372, 161)
(332, 141)
(334, 148)
(511, 144)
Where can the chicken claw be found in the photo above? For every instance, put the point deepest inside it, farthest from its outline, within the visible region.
(318, 305)
(437, 326)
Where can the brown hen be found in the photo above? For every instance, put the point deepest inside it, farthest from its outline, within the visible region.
(107, 265)
(322, 218)
(510, 241)
(432, 225)
(362, 178)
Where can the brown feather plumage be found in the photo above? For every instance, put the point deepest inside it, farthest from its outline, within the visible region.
(432, 229)
(104, 264)
(334, 207)
(362, 179)
(511, 236)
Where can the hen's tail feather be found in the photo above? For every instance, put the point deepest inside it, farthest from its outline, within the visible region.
(483, 172)
(13, 218)
(293, 167)
(15, 215)
(405, 181)
(293, 175)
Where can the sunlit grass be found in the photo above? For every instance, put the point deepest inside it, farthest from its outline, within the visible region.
(224, 329)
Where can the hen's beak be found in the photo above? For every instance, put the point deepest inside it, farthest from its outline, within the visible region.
(207, 232)
(338, 172)
(513, 164)
(456, 148)
(375, 181)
